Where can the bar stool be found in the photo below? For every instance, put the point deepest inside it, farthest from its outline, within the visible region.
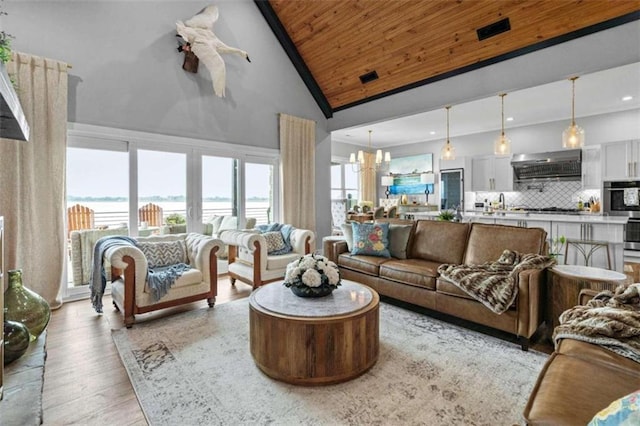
(587, 248)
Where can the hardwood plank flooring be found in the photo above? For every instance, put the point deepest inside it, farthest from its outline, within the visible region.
(84, 380)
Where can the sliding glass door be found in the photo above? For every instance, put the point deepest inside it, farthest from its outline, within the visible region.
(97, 206)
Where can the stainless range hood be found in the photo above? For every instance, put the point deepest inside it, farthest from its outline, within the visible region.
(547, 166)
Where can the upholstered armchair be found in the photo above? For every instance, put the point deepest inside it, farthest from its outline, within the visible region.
(130, 265)
(249, 258)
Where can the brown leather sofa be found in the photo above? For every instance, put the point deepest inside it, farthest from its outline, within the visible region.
(579, 380)
(415, 280)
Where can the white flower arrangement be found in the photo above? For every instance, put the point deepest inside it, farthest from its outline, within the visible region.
(312, 275)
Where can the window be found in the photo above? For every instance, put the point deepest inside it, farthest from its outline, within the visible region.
(344, 183)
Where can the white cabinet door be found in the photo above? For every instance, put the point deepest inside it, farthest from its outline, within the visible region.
(620, 160)
(491, 173)
(591, 168)
(481, 174)
(503, 174)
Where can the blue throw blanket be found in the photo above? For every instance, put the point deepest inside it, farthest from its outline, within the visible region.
(161, 278)
(98, 279)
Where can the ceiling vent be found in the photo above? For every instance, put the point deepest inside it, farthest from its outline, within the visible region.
(494, 29)
(368, 77)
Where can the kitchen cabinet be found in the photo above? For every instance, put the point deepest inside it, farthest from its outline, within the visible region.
(620, 160)
(591, 168)
(490, 173)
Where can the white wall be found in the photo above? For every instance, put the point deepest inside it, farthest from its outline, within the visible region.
(127, 73)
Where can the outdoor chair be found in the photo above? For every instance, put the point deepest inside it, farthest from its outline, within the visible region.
(151, 214)
(79, 217)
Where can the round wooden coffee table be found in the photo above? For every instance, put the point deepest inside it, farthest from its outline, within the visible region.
(314, 341)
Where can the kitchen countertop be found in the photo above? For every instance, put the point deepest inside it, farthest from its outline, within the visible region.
(522, 215)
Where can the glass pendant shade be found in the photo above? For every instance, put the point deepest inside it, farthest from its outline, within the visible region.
(573, 136)
(502, 145)
(448, 152)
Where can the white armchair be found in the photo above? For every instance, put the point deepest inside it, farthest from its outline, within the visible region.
(129, 267)
(250, 262)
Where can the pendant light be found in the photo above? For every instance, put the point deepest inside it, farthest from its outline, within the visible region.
(573, 136)
(502, 145)
(448, 152)
(381, 163)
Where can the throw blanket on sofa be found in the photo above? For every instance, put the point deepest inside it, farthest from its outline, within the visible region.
(98, 279)
(494, 284)
(611, 320)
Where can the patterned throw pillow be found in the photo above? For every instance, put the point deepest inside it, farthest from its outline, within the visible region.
(163, 253)
(275, 242)
(623, 411)
(371, 239)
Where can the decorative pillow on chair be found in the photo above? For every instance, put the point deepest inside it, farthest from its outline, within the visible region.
(347, 230)
(275, 241)
(371, 239)
(164, 253)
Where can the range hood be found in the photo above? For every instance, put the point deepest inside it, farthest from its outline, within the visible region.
(13, 124)
(548, 166)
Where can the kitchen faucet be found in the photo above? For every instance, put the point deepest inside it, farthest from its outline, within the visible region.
(501, 201)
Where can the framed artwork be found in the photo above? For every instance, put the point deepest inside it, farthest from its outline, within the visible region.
(406, 174)
(413, 164)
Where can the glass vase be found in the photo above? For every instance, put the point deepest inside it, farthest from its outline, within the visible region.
(16, 340)
(25, 306)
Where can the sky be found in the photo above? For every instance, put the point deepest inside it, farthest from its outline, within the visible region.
(99, 173)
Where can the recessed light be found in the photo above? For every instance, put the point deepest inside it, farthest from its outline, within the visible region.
(432, 132)
(627, 98)
(509, 118)
(348, 135)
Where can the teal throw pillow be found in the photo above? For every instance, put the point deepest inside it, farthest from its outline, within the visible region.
(371, 239)
(623, 411)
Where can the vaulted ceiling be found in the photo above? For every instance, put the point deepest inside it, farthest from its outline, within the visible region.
(336, 44)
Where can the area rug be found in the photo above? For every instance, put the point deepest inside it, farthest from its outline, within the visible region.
(195, 368)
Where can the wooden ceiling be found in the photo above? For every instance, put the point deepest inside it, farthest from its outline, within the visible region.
(413, 42)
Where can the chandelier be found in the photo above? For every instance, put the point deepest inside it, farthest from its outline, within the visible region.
(381, 162)
(502, 145)
(448, 152)
(573, 136)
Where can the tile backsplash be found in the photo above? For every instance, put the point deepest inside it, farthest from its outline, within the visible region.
(539, 195)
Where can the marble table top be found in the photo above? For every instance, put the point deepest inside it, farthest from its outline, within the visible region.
(589, 272)
(348, 298)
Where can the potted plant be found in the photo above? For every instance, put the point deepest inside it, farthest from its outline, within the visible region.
(446, 215)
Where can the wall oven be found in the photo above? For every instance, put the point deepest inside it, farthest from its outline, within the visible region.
(621, 198)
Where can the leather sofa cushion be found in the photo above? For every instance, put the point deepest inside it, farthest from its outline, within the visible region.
(574, 384)
(487, 242)
(416, 272)
(439, 241)
(358, 262)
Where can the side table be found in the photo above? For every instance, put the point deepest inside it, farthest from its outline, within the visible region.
(564, 283)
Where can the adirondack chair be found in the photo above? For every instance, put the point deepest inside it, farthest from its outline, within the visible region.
(79, 217)
(150, 213)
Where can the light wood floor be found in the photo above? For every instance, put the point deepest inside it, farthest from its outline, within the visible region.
(84, 380)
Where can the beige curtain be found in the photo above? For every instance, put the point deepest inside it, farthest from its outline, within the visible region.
(368, 179)
(298, 153)
(32, 176)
